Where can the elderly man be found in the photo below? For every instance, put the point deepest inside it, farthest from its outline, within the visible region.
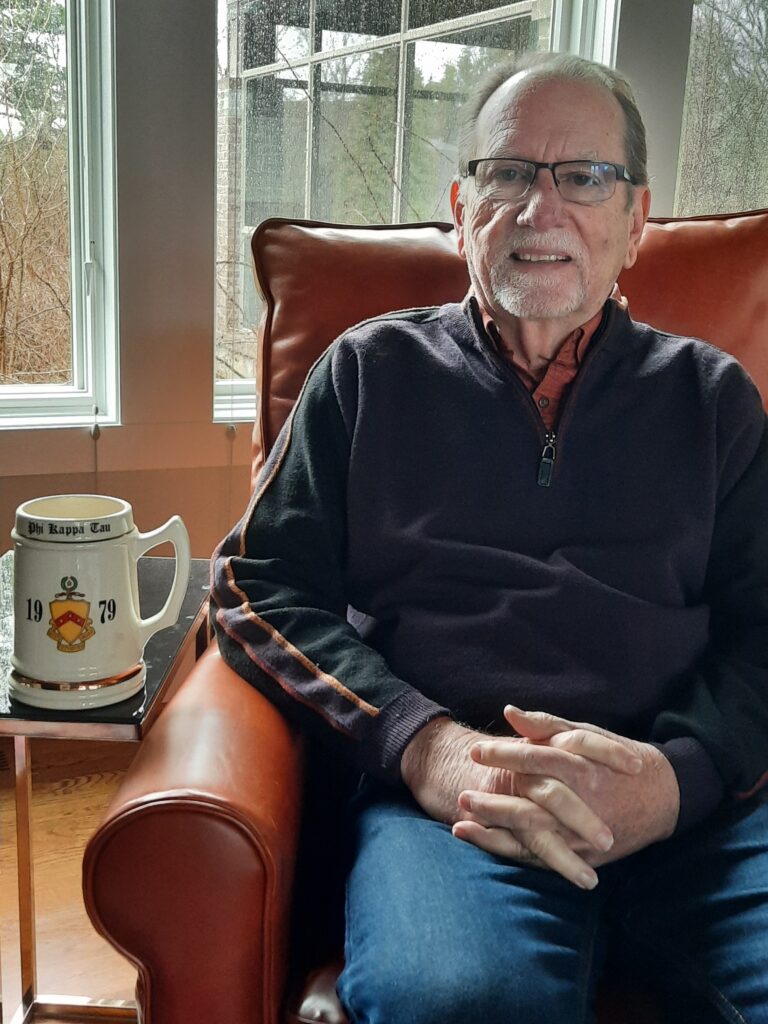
(510, 555)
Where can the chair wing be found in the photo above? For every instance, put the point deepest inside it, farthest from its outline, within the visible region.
(319, 279)
(707, 277)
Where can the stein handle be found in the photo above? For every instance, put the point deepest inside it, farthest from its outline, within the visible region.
(176, 532)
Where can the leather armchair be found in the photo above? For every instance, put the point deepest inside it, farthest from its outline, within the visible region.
(215, 871)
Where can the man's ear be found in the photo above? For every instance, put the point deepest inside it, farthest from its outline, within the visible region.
(641, 206)
(457, 208)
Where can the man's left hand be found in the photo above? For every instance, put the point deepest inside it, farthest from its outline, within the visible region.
(640, 809)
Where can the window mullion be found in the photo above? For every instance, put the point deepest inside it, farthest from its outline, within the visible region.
(586, 27)
(402, 92)
(508, 12)
(573, 27)
(313, 96)
(99, 237)
(404, 124)
(78, 192)
(605, 31)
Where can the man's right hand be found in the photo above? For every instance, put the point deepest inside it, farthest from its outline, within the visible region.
(437, 767)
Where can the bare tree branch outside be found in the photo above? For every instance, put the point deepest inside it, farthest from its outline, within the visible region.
(343, 127)
(35, 331)
(725, 127)
(322, 140)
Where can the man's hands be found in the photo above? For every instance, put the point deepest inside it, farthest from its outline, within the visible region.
(639, 807)
(520, 796)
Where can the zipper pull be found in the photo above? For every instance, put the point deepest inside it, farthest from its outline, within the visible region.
(547, 461)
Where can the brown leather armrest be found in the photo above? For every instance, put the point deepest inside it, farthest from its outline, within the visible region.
(190, 874)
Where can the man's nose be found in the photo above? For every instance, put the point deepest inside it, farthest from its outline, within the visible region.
(542, 203)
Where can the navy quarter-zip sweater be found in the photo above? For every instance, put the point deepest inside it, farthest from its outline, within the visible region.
(418, 545)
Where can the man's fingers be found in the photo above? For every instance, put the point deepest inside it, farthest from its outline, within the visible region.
(582, 738)
(547, 849)
(531, 758)
(498, 841)
(514, 813)
(552, 850)
(542, 725)
(596, 746)
(564, 808)
(535, 725)
(566, 756)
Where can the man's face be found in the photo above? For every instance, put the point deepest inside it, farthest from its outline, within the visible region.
(505, 243)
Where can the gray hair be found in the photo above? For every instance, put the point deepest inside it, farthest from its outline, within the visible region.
(563, 66)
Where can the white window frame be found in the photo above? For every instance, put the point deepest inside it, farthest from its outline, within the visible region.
(584, 27)
(94, 395)
(587, 28)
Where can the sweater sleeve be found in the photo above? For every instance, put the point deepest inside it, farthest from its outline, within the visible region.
(716, 731)
(279, 598)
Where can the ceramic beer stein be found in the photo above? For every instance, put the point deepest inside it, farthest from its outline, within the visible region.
(78, 632)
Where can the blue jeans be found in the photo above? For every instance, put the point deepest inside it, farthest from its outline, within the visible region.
(439, 931)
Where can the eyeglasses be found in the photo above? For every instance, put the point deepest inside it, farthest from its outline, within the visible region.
(578, 181)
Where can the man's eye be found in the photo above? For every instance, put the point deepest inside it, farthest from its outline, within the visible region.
(582, 179)
(506, 174)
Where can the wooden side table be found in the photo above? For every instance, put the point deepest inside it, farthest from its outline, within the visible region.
(128, 720)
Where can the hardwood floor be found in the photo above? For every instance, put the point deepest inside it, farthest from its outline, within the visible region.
(72, 784)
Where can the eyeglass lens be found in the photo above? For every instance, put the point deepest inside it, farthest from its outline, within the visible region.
(578, 181)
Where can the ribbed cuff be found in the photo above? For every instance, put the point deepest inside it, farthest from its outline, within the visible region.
(391, 732)
(701, 788)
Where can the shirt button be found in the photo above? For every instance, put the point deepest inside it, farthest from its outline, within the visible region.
(543, 403)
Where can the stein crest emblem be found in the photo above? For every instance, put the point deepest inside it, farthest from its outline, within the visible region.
(71, 625)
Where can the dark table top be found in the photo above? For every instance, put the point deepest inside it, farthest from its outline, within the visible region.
(126, 719)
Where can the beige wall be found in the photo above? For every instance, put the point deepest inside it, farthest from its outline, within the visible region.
(652, 51)
(167, 457)
(208, 498)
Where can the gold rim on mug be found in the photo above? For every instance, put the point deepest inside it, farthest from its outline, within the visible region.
(96, 684)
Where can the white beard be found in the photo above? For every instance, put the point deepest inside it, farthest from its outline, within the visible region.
(524, 293)
(534, 296)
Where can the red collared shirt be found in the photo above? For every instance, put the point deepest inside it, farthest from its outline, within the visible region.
(550, 388)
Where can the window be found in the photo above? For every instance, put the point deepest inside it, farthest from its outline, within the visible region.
(340, 110)
(725, 120)
(58, 328)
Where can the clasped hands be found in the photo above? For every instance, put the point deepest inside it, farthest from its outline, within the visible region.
(568, 796)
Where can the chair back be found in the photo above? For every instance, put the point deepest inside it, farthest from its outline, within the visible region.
(701, 276)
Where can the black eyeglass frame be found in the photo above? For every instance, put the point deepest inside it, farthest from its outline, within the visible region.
(622, 174)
